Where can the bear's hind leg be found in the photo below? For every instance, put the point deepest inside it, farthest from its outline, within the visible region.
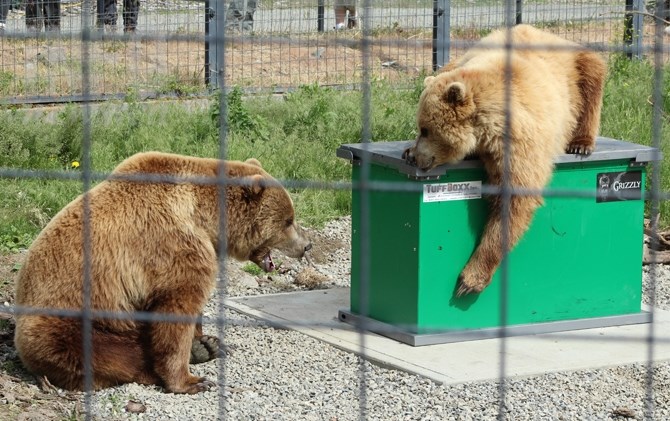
(172, 343)
(52, 347)
(120, 358)
(592, 72)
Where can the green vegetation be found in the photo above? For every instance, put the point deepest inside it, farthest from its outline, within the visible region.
(294, 136)
(252, 269)
(628, 113)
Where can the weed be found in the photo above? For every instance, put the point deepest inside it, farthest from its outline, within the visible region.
(181, 83)
(114, 46)
(238, 116)
(4, 323)
(252, 269)
(69, 134)
(6, 80)
(10, 367)
(13, 241)
(74, 415)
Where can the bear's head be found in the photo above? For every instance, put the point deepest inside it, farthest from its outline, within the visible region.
(273, 224)
(445, 120)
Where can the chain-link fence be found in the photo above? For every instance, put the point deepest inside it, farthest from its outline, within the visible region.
(277, 45)
(280, 46)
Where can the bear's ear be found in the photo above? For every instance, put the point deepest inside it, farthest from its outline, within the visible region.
(254, 185)
(454, 94)
(428, 80)
(254, 161)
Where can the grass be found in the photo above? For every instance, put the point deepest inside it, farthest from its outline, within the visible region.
(627, 113)
(294, 136)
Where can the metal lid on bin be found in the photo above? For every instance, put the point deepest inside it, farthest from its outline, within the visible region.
(389, 154)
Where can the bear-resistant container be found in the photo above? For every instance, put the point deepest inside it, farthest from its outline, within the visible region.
(578, 266)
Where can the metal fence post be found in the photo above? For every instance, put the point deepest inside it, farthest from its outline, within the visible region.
(441, 33)
(320, 13)
(632, 34)
(214, 27)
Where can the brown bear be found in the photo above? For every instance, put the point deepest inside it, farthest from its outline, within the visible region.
(545, 96)
(150, 245)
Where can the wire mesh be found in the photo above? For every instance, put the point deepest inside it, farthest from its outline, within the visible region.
(268, 45)
(271, 45)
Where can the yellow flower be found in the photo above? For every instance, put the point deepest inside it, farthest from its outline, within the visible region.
(75, 164)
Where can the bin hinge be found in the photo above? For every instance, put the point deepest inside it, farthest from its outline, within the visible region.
(636, 164)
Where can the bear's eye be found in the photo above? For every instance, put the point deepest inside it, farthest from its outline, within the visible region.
(424, 132)
(289, 222)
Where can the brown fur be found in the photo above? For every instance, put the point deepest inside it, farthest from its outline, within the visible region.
(555, 97)
(153, 247)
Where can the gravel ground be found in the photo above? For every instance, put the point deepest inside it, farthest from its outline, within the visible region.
(281, 374)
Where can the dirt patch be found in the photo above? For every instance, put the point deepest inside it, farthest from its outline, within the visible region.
(9, 266)
(324, 247)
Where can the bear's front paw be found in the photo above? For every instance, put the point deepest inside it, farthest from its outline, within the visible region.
(470, 283)
(581, 146)
(204, 348)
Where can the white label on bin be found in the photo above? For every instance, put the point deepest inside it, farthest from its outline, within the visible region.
(463, 190)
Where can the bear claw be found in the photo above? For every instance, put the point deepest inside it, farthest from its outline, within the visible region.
(580, 147)
(408, 156)
(579, 150)
(464, 288)
(202, 386)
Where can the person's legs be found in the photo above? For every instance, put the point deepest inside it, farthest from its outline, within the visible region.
(108, 15)
(33, 15)
(131, 11)
(240, 14)
(353, 17)
(341, 9)
(233, 15)
(51, 9)
(4, 11)
(250, 9)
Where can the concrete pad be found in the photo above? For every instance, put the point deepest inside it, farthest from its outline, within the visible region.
(315, 313)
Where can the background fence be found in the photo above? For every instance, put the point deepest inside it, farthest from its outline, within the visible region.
(287, 44)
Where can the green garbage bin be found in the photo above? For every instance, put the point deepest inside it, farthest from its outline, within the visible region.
(578, 266)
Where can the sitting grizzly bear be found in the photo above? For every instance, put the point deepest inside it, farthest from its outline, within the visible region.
(153, 248)
(553, 102)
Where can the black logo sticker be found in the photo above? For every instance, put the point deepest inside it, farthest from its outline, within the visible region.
(618, 186)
